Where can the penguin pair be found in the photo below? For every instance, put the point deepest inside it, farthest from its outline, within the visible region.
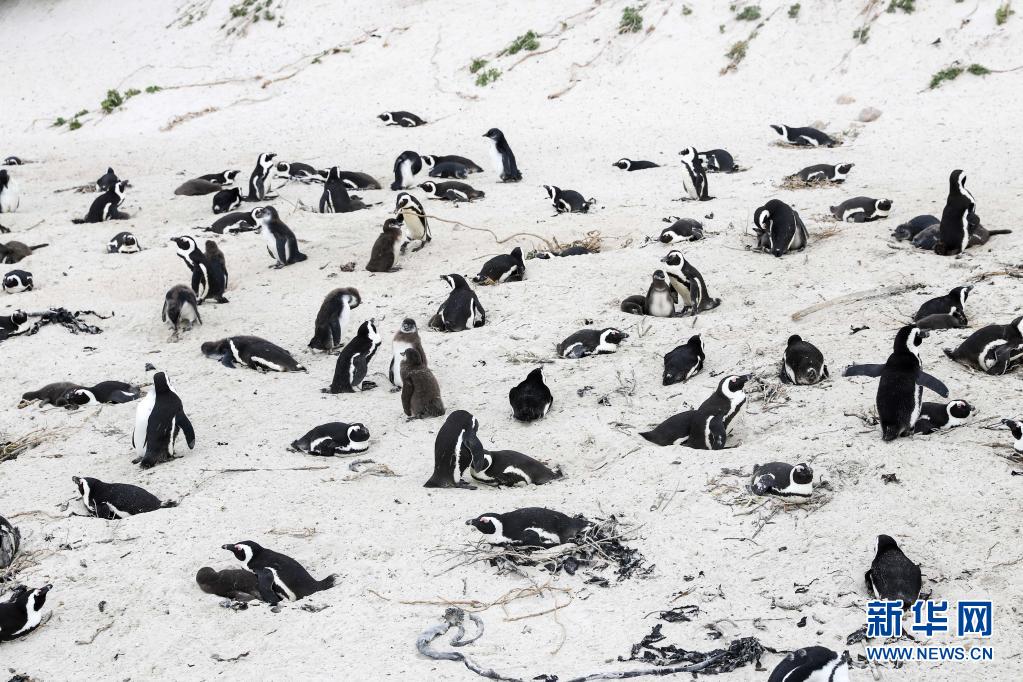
(681, 230)
(452, 191)
(107, 205)
(793, 484)
(352, 365)
(568, 200)
(420, 392)
(406, 338)
(661, 299)
(181, 308)
(862, 210)
(502, 157)
(822, 173)
(504, 268)
(113, 501)
(333, 317)
(461, 310)
(413, 218)
(687, 281)
(209, 268)
(333, 439)
(335, 197)
(280, 576)
(10, 195)
(803, 137)
(694, 175)
(995, 349)
(281, 243)
(802, 363)
(704, 428)
(124, 242)
(779, 229)
(17, 281)
(252, 352)
(404, 119)
(587, 342)
(15, 252)
(259, 178)
(158, 419)
(531, 526)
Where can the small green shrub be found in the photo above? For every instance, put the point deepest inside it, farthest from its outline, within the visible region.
(153, 88)
(749, 13)
(632, 20)
(907, 6)
(59, 122)
(978, 69)
(75, 124)
(737, 52)
(794, 10)
(131, 92)
(1003, 13)
(686, 10)
(113, 100)
(81, 113)
(487, 77)
(528, 41)
(477, 64)
(862, 34)
(947, 74)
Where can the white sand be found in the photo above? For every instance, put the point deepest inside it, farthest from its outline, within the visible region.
(646, 96)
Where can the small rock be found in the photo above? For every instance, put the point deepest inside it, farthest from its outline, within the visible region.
(845, 99)
(869, 114)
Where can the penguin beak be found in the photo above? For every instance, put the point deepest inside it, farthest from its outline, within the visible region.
(664, 259)
(229, 548)
(469, 522)
(924, 333)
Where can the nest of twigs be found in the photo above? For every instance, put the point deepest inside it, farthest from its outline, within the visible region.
(11, 448)
(795, 182)
(598, 547)
(592, 242)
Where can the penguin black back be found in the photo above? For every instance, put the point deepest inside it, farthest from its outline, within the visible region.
(531, 399)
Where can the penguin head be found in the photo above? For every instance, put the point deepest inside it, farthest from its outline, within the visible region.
(37, 599)
(84, 488)
(19, 317)
(230, 175)
(613, 335)
(429, 160)
(429, 186)
(494, 134)
(624, 164)
(795, 338)
(959, 409)
(957, 181)
(368, 329)
(128, 239)
(762, 218)
(120, 187)
(211, 348)
(802, 474)
(674, 259)
(884, 544)
(844, 168)
(408, 326)
(695, 342)
(205, 576)
(358, 433)
(412, 357)
(960, 294)
(185, 245)
(516, 253)
(283, 168)
(265, 160)
(883, 205)
(780, 129)
(536, 375)
(1015, 427)
(78, 396)
(734, 384)
(659, 276)
(551, 190)
(160, 383)
(485, 524)
(243, 551)
(386, 117)
(407, 201)
(688, 155)
(909, 339)
(333, 175)
(455, 281)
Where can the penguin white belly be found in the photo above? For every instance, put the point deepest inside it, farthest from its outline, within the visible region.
(497, 537)
(809, 140)
(204, 282)
(266, 364)
(984, 359)
(966, 233)
(661, 306)
(496, 159)
(271, 242)
(32, 620)
(188, 313)
(689, 183)
(142, 414)
(397, 349)
(10, 198)
(414, 224)
(342, 322)
(406, 174)
(456, 475)
(917, 405)
(546, 535)
(520, 473)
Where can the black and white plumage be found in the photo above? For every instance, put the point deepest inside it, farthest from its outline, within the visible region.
(718, 161)
(530, 526)
(683, 362)
(107, 181)
(388, 246)
(994, 349)
(812, 664)
(456, 448)
(260, 177)
(298, 171)
(823, 172)
(13, 161)
(511, 468)
(404, 119)
(233, 223)
(14, 324)
(586, 342)
(779, 228)
(804, 137)
(124, 242)
(1015, 427)
(793, 483)
(103, 393)
(22, 611)
(357, 180)
(694, 175)
(434, 161)
(406, 167)
(681, 230)
(452, 191)
(461, 310)
(252, 352)
(335, 197)
(502, 157)
(630, 165)
(226, 200)
(10, 542)
(332, 439)
(892, 575)
(661, 299)
(10, 194)
(509, 267)
(694, 297)
(181, 308)
(953, 320)
(114, 501)
(728, 398)
(51, 394)
(290, 579)
(224, 178)
(209, 268)
(281, 243)
(705, 427)
(862, 209)
(413, 217)
(531, 399)
(158, 419)
(230, 583)
(353, 362)
(333, 317)
(802, 363)
(935, 416)
(706, 432)
(17, 281)
(954, 228)
(952, 302)
(449, 170)
(568, 200)
(106, 206)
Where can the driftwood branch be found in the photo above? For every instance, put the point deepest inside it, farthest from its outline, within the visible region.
(856, 297)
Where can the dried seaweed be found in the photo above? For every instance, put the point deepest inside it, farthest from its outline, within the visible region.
(740, 653)
(65, 318)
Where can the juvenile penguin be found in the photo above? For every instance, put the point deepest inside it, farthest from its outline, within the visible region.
(22, 612)
(504, 268)
(17, 281)
(333, 317)
(230, 583)
(803, 137)
(568, 200)
(180, 308)
(952, 302)
(502, 156)
(914, 226)
(954, 229)
(333, 438)
(452, 191)
(209, 268)
(953, 320)
(158, 418)
(892, 576)
(388, 247)
(793, 483)
(335, 197)
(406, 337)
(106, 206)
(456, 448)
(531, 526)
(413, 216)
(103, 393)
(683, 362)
(281, 243)
(862, 209)
(718, 161)
(15, 252)
(260, 176)
(934, 416)
(992, 349)
(694, 176)
(586, 342)
(50, 394)
(461, 310)
(10, 196)
(812, 664)
(406, 167)
(113, 501)
(531, 399)
(404, 119)
(823, 172)
(124, 242)
(226, 200)
(630, 165)
(681, 230)
(420, 392)
(661, 298)
(802, 363)
(689, 283)
(252, 352)
(1015, 427)
(510, 468)
(290, 579)
(353, 362)
(197, 187)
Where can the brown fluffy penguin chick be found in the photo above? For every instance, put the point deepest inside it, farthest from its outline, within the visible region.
(420, 392)
(387, 247)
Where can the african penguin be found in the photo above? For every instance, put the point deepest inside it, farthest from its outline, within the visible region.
(335, 197)
(812, 664)
(510, 468)
(718, 161)
(107, 181)
(461, 310)
(452, 191)
(531, 399)
(180, 308)
(532, 526)
(50, 394)
(681, 230)
(994, 349)
(114, 501)
(803, 137)
(22, 611)
(568, 200)
(953, 320)
(694, 177)
(252, 352)
(502, 156)
(301, 172)
(158, 418)
(16, 281)
(124, 242)
(914, 226)
(333, 317)
(630, 165)
(290, 579)
(793, 483)
(14, 324)
(332, 439)
(231, 583)
(103, 393)
(406, 337)
(388, 246)
(224, 178)
(586, 342)
(504, 268)
(689, 283)
(661, 298)
(448, 170)
(953, 230)
(226, 200)
(197, 187)
(953, 301)
(823, 172)
(209, 269)
(862, 209)
(10, 196)
(406, 167)
(727, 399)
(934, 416)
(674, 430)
(260, 176)
(802, 363)
(420, 392)
(683, 362)
(404, 119)
(414, 218)
(456, 448)
(13, 161)
(281, 243)
(1016, 429)
(353, 362)
(892, 575)
(15, 252)
(106, 206)
(239, 221)
(435, 160)
(357, 180)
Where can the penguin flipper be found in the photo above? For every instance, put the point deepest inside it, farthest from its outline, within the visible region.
(186, 427)
(406, 396)
(933, 383)
(924, 426)
(227, 361)
(266, 587)
(863, 371)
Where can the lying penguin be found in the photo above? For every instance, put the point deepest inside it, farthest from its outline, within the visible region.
(935, 416)
(288, 578)
(681, 230)
(802, 363)
(333, 439)
(531, 526)
(995, 349)
(253, 352)
(792, 483)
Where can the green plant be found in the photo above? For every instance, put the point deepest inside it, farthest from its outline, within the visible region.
(632, 20)
(749, 13)
(477, 64)
(978, 69)
(153, 88)
(686, 10)
(75, 124)
(81, 113)
(1003, 13)
(487, 77)
(528, 41)
(59, 122)
(862, 34)
(907, 6)
(113, 100)
(737, 52)
(794, 11)
(947, 74)
(131, 92)
(721, 28)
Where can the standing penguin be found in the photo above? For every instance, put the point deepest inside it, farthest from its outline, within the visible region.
(568, 200)
(456, 448)
(689, 283)
(406, 337)
(954, 228)
(353, 362)
(802, 363)
(779, 228)
(661, 298)
(259, 177)
(158, 418)
(290, 579)
(22, 612)
(180, 308)
(502, 157)
(531, 399)
(684, 362)
(406, 167)
(504, 268)
(812, 664)
(332, 318)
(462, 309)
(335, 197)
(892, 576)
(726, 401)
(420, 392)
(209, 269)
(10, 197)
(388, 247)
(113, 501)
(281, 243)
(413, 216)
(106, 206)
(694, 177)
